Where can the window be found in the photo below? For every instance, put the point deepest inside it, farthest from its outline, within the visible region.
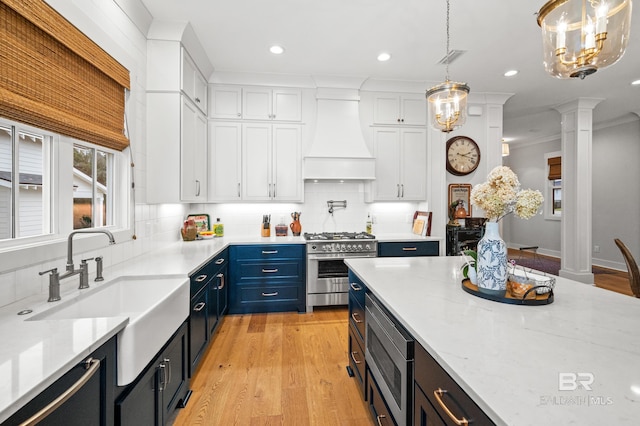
(92, 187)
(84, 176)
(25, 182)
(553, 208)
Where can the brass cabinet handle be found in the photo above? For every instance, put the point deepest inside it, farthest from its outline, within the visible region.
(355, 286)
(409, 248)
(275, 293)
(379, 419)
(269, 271)
(353, 357)
(353, 315)
(92, 366)
(200, 306)
(438, 394)
(201, 278)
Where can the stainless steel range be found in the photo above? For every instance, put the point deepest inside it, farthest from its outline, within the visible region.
(327, 274)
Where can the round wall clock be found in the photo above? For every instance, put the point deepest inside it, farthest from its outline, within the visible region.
(463, 155)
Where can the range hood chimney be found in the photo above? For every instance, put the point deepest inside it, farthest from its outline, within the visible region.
(338, 150)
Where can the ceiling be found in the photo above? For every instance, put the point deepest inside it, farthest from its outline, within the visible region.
(344, 37)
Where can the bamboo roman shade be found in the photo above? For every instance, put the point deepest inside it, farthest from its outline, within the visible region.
(555, 168)
(54, 77)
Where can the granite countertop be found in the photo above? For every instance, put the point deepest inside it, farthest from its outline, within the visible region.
(509, 358)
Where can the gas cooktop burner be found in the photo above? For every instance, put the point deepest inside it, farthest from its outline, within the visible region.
(338, 236)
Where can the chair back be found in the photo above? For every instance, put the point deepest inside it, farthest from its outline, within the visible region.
(632, 268)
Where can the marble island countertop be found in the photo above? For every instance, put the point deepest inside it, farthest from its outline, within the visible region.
(511, 359)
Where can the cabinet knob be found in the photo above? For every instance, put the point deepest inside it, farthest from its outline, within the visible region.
(198, 100)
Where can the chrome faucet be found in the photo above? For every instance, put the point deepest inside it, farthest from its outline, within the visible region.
(55, 277)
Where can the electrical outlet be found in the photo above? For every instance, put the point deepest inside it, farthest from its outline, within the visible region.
(596, 249)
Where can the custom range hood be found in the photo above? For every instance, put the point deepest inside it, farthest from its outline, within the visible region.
(338, 151)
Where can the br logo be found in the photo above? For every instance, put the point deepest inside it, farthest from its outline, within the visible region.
(573, 381)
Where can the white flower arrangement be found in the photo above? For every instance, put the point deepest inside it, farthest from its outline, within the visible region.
(501, 195)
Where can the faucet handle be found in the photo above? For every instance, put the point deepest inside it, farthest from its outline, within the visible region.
(52, 270)
(99, 276)
(86, 260)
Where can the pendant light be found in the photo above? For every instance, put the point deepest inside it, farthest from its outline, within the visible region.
(448, 100)
(581, 36)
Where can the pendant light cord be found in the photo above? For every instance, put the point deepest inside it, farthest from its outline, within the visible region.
(447, 52)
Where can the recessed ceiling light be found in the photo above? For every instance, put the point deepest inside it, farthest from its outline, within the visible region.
(636, 82)
(510, 73)
(276, 50)
(384, 57)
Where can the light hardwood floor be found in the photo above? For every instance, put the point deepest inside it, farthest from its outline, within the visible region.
(278, 368)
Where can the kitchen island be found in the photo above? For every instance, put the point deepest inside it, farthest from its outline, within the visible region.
(574, 361)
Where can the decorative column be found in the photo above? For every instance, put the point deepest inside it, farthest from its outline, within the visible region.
(576, 232)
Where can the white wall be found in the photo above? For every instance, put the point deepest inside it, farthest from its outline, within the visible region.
(616, 194)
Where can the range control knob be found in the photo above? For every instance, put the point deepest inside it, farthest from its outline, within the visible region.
(348, 247)
(367, 247)
(359, 247)
(343, 247)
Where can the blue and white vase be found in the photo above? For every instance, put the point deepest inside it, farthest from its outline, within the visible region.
(492, 261)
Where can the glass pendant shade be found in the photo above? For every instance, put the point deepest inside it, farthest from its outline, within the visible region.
(505, 149)
(581, 36)
(448, 105)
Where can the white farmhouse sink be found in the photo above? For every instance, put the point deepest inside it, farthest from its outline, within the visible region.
(156, 307)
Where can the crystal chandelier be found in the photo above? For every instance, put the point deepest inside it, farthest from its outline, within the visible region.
(448, 100)
(581, 36)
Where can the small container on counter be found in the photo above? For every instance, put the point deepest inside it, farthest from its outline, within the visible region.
(282, 230)
(218, 228)
(265, 230)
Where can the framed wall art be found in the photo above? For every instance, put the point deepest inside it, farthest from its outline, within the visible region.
(461, 191)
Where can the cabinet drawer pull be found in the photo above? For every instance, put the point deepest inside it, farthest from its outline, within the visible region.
(200, 306)
(409, 248)
(275, 293)
(197, 188)
(219, 261)
(269, 251)
(92, 366)
(221, 286)
(168, 375)
(438, 394)
(163, 377)
(201, 278)
(353, 357)
(355, 286)
(379, 419)
(270, 271)
(353, 315)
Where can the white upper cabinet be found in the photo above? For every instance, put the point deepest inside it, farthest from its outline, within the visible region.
(225, 161)
(401, 158)
(262, 103)
(194, 85)
(193, 154)
(225, 102)
(408, 109)
(271, 162)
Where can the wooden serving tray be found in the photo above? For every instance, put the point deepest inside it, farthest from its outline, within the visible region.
(540, 299)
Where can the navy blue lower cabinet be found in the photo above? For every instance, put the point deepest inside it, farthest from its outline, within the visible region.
(424, 414)
(356, 344)
(408, 248)
(160, 389)
(92, 404)
(377, 406)
(267, 278)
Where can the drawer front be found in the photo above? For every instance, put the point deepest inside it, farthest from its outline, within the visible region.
(220, 261)
(269, 294)
(201, 278)
(198, 329)
(357, 288)
(271, 251)
(356, 316)
(410, 248)
(356, 358)
(378, 408)
(268, 270)
(430, 377)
